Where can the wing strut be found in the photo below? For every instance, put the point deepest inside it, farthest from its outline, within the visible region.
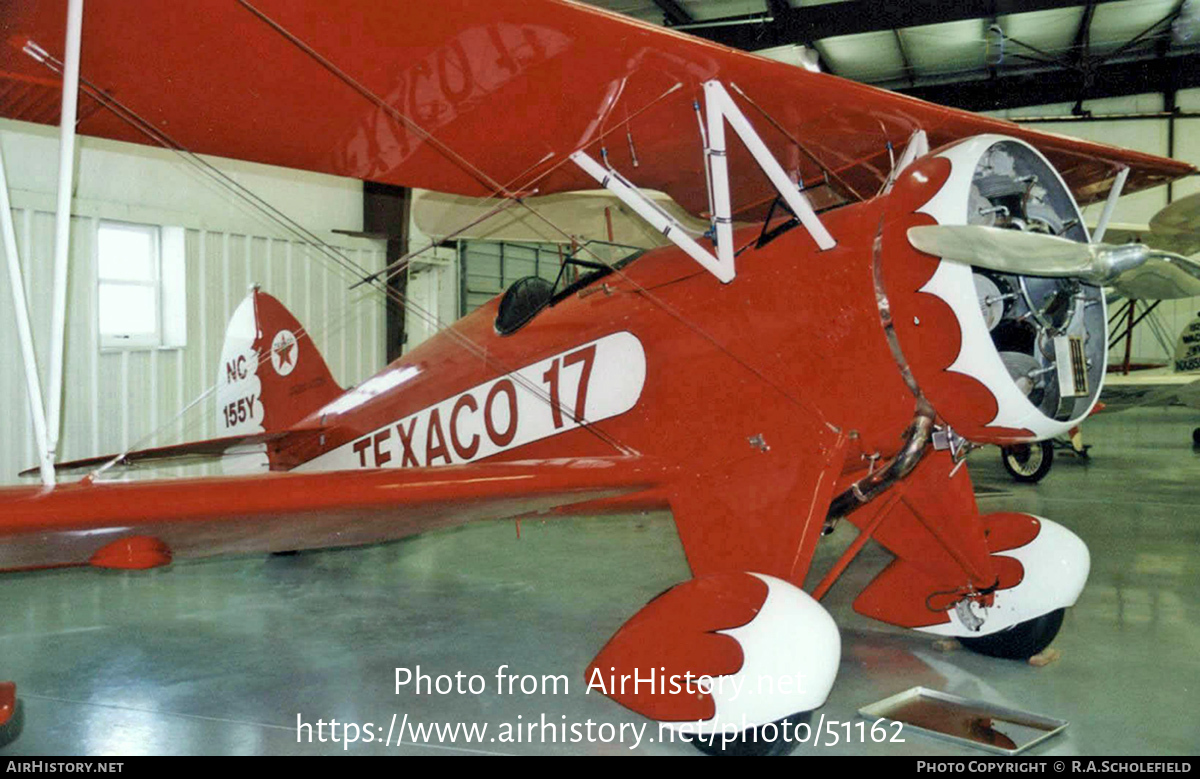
(720, 108)
(62, 221)
(1110, 204)
(33, 385)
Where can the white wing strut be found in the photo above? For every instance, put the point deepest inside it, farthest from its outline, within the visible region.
(666, 224)
(1109, 205)
(721, 106)
(33, 385)
(719, 109)
(918, 146)
(62, 218)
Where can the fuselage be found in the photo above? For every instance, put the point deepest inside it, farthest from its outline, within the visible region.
(799, 328)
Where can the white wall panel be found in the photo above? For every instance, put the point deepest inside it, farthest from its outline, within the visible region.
(433, 288)
(115, 398)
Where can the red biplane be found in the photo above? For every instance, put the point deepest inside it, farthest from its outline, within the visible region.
(831, 362)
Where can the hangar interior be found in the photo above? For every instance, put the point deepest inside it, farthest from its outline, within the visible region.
(215, 656)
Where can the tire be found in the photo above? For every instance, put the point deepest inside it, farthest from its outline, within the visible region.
(11, 729)
(1196, 437)
(1028, 463)
(1021, 641)
(751, 743)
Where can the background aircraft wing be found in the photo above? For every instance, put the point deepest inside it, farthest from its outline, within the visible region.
(142, 524)
(1155, 387)
(467, 97)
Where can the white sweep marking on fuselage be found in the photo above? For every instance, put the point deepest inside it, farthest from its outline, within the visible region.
(505, 412)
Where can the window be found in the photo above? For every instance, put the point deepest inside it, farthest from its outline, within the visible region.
(488, 268)
(141, 286)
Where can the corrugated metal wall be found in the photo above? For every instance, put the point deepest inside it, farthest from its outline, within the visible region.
(114, 399)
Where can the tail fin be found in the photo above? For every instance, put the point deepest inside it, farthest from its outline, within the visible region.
(271, 375)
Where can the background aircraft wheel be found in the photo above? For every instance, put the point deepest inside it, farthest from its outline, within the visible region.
(1021, 641)
(1028, 462)
(752, 742)
(11, 729)
(1196, 437)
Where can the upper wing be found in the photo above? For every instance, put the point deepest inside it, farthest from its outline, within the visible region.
(466, 97)
(142, 524)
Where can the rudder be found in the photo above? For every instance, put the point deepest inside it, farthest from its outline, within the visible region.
(271, 375)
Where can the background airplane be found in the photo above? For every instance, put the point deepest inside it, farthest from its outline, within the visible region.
(1174, 229)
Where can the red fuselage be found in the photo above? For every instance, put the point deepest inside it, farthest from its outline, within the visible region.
(798, 329)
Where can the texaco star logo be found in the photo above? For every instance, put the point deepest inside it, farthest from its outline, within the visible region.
(284, 352)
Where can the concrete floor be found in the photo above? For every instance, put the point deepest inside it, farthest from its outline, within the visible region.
(219, 657)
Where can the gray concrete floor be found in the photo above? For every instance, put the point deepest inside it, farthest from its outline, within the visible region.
(219, 657)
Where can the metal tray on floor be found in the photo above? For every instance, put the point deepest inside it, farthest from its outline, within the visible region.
(965, 721)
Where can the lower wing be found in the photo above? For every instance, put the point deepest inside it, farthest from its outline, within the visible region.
(146, 524)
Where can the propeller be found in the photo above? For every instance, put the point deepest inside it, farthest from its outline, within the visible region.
(1038, 254)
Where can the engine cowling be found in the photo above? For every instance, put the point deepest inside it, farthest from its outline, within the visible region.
(1002, 358)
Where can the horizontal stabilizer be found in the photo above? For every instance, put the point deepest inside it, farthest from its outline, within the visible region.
(191, 453)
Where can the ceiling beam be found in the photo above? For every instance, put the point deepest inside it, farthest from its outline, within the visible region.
(1081, 55)
(1043, 87)
(674, 14)
(812, 23)
(909, 72)
(778, 7)
(1082, 44)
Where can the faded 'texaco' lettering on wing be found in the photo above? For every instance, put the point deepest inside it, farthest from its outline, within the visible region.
(434, 91)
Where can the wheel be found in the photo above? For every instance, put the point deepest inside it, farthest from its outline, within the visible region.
(763, 741)
(1021, 641)
(1196, 437)
(1028, 463)
(11, 729)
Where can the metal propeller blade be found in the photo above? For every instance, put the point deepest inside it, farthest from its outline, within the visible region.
(1164, 276)
(1029, 254)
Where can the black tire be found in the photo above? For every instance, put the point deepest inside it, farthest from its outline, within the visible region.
(751, 741)
(1028, 463)
(11, 729)
(1196, 437)
(1021, 641)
